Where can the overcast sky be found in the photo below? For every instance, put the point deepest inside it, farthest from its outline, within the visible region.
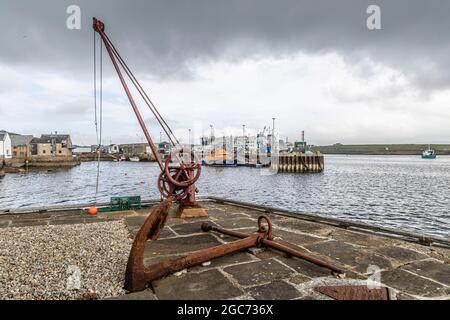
(313, 65)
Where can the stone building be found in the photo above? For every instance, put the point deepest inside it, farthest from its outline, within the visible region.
(20, 146)
(52, 145)
(135, 149)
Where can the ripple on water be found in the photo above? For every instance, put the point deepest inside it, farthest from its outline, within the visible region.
(395, 191)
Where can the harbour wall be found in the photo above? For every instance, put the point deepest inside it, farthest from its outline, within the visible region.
(301, 163)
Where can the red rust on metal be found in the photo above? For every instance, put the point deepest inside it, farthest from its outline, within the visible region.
(268, 242)
(137, 275)
(354, 292)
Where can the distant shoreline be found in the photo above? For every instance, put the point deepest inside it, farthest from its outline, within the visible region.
(382, 149)
(380, 154)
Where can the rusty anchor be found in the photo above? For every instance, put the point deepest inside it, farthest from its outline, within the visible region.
(138, 275)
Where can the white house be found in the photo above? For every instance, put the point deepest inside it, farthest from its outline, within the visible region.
(5, 146)
(113, 148)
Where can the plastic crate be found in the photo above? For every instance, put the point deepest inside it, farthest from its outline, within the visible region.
(125, 203)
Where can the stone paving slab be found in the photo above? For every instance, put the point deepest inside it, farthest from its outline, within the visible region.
(296, 238)
(230, 259)
(180, 244)
(399, 255)
(258, 272)
(347, 254)
(305, 268)
(413, 284)
(276, 290)
(207, 285)
(190, 228)
(237, 223)
(358, 238)
(431, 269)
(304, 226)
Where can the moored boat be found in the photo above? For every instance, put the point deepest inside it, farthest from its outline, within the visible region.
(429, 153)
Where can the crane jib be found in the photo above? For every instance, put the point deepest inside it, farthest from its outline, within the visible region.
(181, 169)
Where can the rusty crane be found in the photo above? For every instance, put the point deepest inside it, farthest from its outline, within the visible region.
(176, 182)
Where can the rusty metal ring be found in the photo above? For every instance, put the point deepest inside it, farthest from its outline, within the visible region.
(262, 228)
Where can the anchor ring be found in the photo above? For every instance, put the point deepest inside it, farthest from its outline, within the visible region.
(262, 228)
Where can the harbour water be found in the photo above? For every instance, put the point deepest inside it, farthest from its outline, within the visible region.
(404, 192)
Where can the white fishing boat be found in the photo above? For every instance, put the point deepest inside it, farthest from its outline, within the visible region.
(134, 159)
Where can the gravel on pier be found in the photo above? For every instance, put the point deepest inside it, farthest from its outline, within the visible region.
(78, 261)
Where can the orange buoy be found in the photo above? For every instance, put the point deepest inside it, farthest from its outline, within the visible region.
(92, 210)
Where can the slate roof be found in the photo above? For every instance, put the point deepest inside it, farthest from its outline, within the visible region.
(20, 140)
(47, 138)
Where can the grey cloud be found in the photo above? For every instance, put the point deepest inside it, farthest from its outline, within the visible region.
(163, 37)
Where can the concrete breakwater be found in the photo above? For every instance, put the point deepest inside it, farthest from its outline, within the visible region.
(19, 165)
(301, 163)
(54, 162)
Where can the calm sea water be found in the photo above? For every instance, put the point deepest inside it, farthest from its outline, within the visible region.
(404, 192)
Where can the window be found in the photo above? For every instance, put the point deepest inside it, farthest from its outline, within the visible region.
(59, 151)
(44, 151)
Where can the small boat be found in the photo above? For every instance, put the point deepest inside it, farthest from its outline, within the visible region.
(429, 153)
(134, 159)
